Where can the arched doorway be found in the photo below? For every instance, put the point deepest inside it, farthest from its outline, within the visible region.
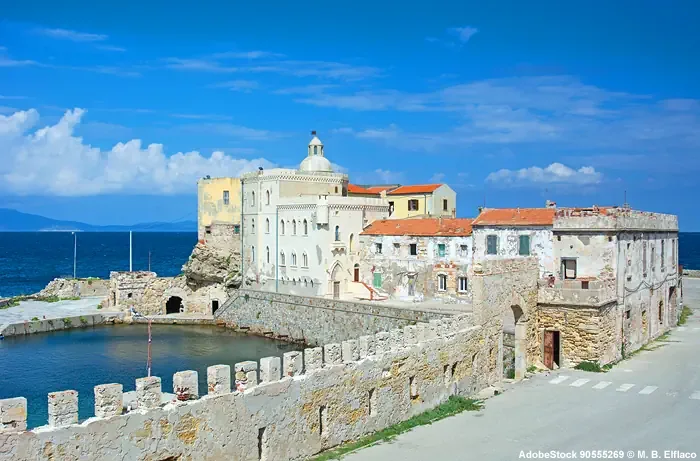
(173, 305)
(520, 341)
(357, 272)
(335, 280)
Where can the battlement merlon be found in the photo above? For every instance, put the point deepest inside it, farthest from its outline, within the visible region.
(612, 220)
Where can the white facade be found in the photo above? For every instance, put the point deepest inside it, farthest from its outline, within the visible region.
(508, 240)
(301, 230)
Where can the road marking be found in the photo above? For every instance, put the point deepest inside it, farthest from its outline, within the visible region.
(579, 382)
(648, 390)
(672, 394)
(602, 385)
(695, 395)
(681, 328)
(624, 387)
(696, 329)
(559, 379)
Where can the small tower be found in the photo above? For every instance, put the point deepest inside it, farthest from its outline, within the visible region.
(315, 145)
(316, 160)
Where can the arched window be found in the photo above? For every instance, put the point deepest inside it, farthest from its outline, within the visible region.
(306, 282)
(252, 253)
(252, 198)
(306, 228)
(294, 227)
(351, 235)
(337, 233)
(315, 150)
(312, 284)
(267, 225)
(282, 258)
(282, 227)
(294, 258)
(305, 260)
(252, 226)
(267, 197)
(267, 254)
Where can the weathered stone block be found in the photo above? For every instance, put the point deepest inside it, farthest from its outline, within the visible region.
(218, 379)
(350, 350)
(13, 414)
(109, 400)
(366, 346)
(410, 335)
(381, 342)
(148, 392)
(332, 354)
(63, 408)
(246, 375)
(313, 358)
(187, 382)
(292, 363)
(422, 331)
(434, 327)
(395, 338)
(270, 369)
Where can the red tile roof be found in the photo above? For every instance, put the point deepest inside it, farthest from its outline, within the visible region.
(417, 189)
(445, 227)
(378, 189)
(353, 189)
(515, 217)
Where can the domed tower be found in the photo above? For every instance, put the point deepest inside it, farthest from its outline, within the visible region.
(315, 160)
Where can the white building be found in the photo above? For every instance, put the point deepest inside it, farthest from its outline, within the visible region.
(515, 232)
(300, 228)
(412, 259)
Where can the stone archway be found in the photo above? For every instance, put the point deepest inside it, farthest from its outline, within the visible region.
(173, 305)
(520, 341)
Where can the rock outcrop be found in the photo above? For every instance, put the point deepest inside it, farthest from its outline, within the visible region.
(73, 288)
(209, 264)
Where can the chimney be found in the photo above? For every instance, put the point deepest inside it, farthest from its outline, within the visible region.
(550, 204)
(480, 208)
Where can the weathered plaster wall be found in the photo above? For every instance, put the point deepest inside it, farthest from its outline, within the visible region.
(509, 241)
(338, 398)
(211, 207)
(314, 320)
(400, 270)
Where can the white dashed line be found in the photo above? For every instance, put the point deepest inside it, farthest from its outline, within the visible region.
(624, 387)
(672, 394)
(602, 385)
(681, 328)
(559, 379)
(648, 390)
(579, 382)
(695, 395)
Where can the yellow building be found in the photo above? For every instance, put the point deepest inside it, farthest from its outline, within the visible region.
(422, 200)
(218, 201)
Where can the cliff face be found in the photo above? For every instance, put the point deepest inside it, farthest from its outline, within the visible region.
(211, 265)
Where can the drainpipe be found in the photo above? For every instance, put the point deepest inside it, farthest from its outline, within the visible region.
(277, 250)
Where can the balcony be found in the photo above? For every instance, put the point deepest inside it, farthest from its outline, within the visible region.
(338, 247)
(577, 292)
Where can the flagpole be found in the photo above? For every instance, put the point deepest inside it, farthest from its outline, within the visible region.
(75, 251)
(130, 253)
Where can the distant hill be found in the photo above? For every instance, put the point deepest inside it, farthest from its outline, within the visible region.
(16, 221)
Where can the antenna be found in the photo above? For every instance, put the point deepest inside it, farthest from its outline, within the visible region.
(625, 204)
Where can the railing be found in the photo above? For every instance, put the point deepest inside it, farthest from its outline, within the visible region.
(225, 306)
(372, 292)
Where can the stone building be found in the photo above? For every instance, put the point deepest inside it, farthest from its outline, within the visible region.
(301, 228)
(615, 287)
(411, 259)
(218, 202)
(501, 233)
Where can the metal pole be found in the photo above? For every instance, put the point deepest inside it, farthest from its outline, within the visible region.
(277, 249)
(130, 253)
(149, 347)
(75, 251)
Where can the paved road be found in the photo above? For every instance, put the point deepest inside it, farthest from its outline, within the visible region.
(649, 402)
(29, 309)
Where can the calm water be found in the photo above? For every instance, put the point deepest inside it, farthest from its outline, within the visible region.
(29, 260)
(33, 366)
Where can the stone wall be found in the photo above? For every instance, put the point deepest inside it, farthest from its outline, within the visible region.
(71, 288)
(66, 323)
(339, 393)
(314, 320)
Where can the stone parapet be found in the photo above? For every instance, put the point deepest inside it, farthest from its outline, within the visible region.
(593, 293)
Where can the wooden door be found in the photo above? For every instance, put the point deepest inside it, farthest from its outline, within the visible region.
(357, 274)
(549, 349)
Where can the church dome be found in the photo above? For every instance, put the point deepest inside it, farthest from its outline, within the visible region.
(315, 160)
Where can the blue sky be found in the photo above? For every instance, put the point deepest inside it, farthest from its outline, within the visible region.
(109, 114)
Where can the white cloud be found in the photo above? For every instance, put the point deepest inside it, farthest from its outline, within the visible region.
(118, 49)
(378, 176)
(72, 35)
(244, 86)
(246, 55)
(464, 33)
(554, 173)
(54, 161)
(437, 177)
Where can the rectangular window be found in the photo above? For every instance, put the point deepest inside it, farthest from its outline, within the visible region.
(225, 197)
(462, 284)
(644, 257)
(524, 245)
(414, 249)
(441, 249)
(491, 245)
(378, 246)
(663, 254)
(397, 248)
(442, 282)
(377, 281)
(207, 229)
(413, 205)
(236, 228)
(444, 205)
(653, 258)
(568, 268)
(463, 250)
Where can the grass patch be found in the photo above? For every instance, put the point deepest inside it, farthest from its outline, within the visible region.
(454, 405)
(99, 306)
(685, 313)
(532, 369)
(511, 373)
(35, 319)
(593, 367)
(83, 320)
(67, 322)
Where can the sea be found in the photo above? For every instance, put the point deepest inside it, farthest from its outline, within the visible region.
(29, 260)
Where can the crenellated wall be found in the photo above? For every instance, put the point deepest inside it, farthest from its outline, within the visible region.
(304, 403)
